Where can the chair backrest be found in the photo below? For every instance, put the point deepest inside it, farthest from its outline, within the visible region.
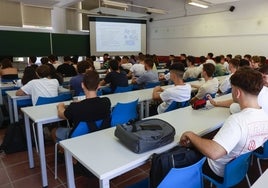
(188, 177)
(83, 128)
(151, 85)
(175, 105)
(59, 98)
(119, 89)
(228, 91)
(123, 112)
(236, 170)
(9, 77)
(190, 79)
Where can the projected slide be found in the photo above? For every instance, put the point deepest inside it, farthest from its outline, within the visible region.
(118, 37)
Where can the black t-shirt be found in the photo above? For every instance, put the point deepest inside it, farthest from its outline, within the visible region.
(66, 70)
(116, 79)
(89, 110)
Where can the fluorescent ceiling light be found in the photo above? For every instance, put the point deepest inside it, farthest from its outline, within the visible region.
(115, 4)
(158, 11)
(198, 3)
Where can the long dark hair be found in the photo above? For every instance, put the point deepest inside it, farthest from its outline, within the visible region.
(28, 75)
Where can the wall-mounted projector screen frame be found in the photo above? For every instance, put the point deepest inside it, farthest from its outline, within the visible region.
(117, 36)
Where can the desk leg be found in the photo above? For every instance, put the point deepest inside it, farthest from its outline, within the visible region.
(147, 108)
(69, 169)
(42, 154)
(141, 110)
(15, 112)
(29, 140)
(10, 109)
(104, 183)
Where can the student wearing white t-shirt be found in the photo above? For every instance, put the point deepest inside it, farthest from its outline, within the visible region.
(240, 133)
(180, 92)
(191, 72)
(225, 85)
(44, 86)
(210, 86)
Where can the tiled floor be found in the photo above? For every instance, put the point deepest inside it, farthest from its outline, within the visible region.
(15, 172)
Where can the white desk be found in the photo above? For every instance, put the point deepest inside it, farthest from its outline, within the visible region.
(91, 150)
(262, 182)
(13, 100)
(8, 85)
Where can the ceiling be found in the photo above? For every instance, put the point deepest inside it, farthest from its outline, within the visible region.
(92, 6)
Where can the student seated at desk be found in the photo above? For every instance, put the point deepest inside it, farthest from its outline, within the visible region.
(137, 69)
(180, 92)
(225, 85)
(240, 133)
(114, 78)
(91, 109)
(149, 76)
(75, 82)
(29, 74)
(7, 71)
(44, 86)
(210, 86)
(262, 97)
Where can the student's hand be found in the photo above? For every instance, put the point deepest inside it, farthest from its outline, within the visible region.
(214, 103)
(184, 140)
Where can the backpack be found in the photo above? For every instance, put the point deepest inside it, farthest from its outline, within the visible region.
(145, 135)
(176, 157)
(14, 139)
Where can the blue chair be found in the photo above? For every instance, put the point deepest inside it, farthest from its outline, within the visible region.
(48, 100)
(175, 105)
(228, 91)
(235, 172)
(151, 85)
(190, 79)
(59, 98)
(123, 112)
(119, 89)
(188, 177)
(81, 129)
(261, 153)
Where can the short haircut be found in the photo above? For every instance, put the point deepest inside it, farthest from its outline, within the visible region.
(82, 66)
(209, 68)
(243, 62)
(202, 59)
(33, 59)
(218, 59)
(256, 59)
(114, 64)
(247, 56)
(117, 58)
(52, 58)
(178, 69)
(43, 71)
(264, 69)
(248, 80)
(210, 54)
(191, 59)
(234, 62)
(149, 62)
(91, 80)
(44, 60)
(184, 55)
(6, 63)
(230, 56)
(67, 58)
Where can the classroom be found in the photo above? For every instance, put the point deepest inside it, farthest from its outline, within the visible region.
(108, 37)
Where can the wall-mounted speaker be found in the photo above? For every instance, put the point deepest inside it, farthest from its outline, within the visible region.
(231, 9)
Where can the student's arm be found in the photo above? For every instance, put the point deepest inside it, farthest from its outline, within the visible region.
(102, 83)
(134, 81)
(226, 103)
(61, 109)
(20, 92)
(192, 101)
(156, 93)
(209, 148)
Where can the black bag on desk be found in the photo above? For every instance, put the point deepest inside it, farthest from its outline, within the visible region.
(145, 135)
(14, 140)
(176, 157)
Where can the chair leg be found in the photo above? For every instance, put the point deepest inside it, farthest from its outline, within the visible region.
(248, 180)
(56, 162)
(35, 140)
(259, 166)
